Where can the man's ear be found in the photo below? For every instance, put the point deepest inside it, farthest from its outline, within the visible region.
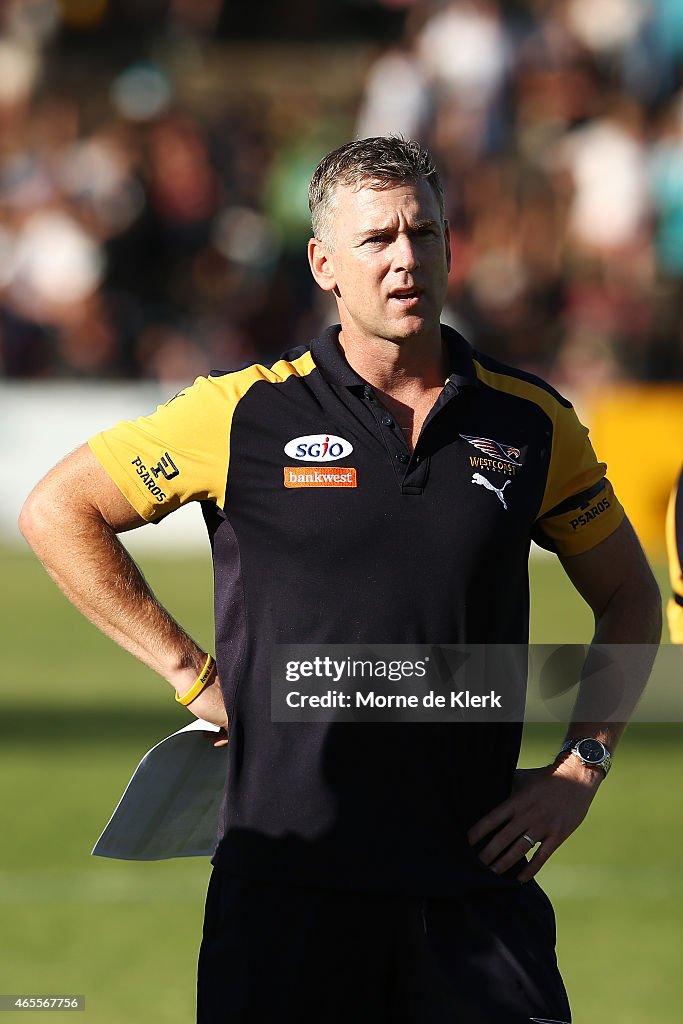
(320, 262)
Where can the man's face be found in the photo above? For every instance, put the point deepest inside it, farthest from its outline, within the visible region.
(389, 260)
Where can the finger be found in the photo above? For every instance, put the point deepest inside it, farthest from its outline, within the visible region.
(218, 739)
(501, 841)
(494, 819)
(520, 848)
(542, 854)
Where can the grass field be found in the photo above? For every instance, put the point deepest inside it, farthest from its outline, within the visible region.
(77, 714)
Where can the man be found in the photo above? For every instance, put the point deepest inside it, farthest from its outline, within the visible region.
(380, 486)
(674, 547)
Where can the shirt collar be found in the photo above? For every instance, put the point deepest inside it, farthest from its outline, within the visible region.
(329, 357)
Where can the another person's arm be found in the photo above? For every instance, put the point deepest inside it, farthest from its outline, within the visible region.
(550, 803)
(674, 549)
(71, 520)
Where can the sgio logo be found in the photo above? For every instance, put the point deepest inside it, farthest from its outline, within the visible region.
(318, 448)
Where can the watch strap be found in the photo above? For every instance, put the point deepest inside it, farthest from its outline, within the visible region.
(571, 746)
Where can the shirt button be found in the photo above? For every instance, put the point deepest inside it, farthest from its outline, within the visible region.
(402, 457)
(387, 421)
(368, 393)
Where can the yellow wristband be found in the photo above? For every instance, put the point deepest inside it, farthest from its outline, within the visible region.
(207, 674)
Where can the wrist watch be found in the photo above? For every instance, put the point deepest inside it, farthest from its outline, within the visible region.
(592, 752)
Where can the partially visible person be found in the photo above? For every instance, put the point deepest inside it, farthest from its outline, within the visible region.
(674, 547)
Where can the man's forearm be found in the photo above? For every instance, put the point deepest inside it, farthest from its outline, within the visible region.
(549, 803)
(628, 630)
(84, 556)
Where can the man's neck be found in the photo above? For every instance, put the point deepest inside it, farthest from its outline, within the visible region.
(413, 366)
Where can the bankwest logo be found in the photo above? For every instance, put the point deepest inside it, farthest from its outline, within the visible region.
(317, 476)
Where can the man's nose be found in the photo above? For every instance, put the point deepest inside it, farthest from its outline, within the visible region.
(405, 253)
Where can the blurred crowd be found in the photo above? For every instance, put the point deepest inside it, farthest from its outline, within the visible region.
(153, 212)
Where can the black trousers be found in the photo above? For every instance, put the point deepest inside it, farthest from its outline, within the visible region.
(274, 954)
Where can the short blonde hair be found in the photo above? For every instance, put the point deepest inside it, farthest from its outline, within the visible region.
(382, 161)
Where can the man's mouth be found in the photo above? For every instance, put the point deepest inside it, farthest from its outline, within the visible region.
(406, 296)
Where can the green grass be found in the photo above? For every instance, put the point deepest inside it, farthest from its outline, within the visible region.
(76, 715)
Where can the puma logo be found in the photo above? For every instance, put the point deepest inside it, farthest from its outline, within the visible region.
(477, 478)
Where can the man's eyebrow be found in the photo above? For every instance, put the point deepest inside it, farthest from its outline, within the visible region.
(381, 229)
(389, 228)
(420, 225)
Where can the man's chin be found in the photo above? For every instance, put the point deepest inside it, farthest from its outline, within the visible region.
(409, 327)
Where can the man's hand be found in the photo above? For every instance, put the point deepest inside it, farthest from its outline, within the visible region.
(209, 704)
(547, 804)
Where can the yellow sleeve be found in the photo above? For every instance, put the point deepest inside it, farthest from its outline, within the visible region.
(579, 507)
(175, 455)
(674, 549)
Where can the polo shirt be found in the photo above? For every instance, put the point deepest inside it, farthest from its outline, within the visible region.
(326, 529)
(674, 548)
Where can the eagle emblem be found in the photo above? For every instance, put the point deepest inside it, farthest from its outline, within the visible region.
(494, 449)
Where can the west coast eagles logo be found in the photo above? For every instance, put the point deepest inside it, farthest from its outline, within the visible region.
(494, 449)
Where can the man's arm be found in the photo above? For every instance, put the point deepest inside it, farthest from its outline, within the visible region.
(550, 803)
(71, 519)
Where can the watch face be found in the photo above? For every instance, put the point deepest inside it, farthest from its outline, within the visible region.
(591, 751)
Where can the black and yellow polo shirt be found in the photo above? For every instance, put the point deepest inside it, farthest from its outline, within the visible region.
(325, 528)
(674, 548)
